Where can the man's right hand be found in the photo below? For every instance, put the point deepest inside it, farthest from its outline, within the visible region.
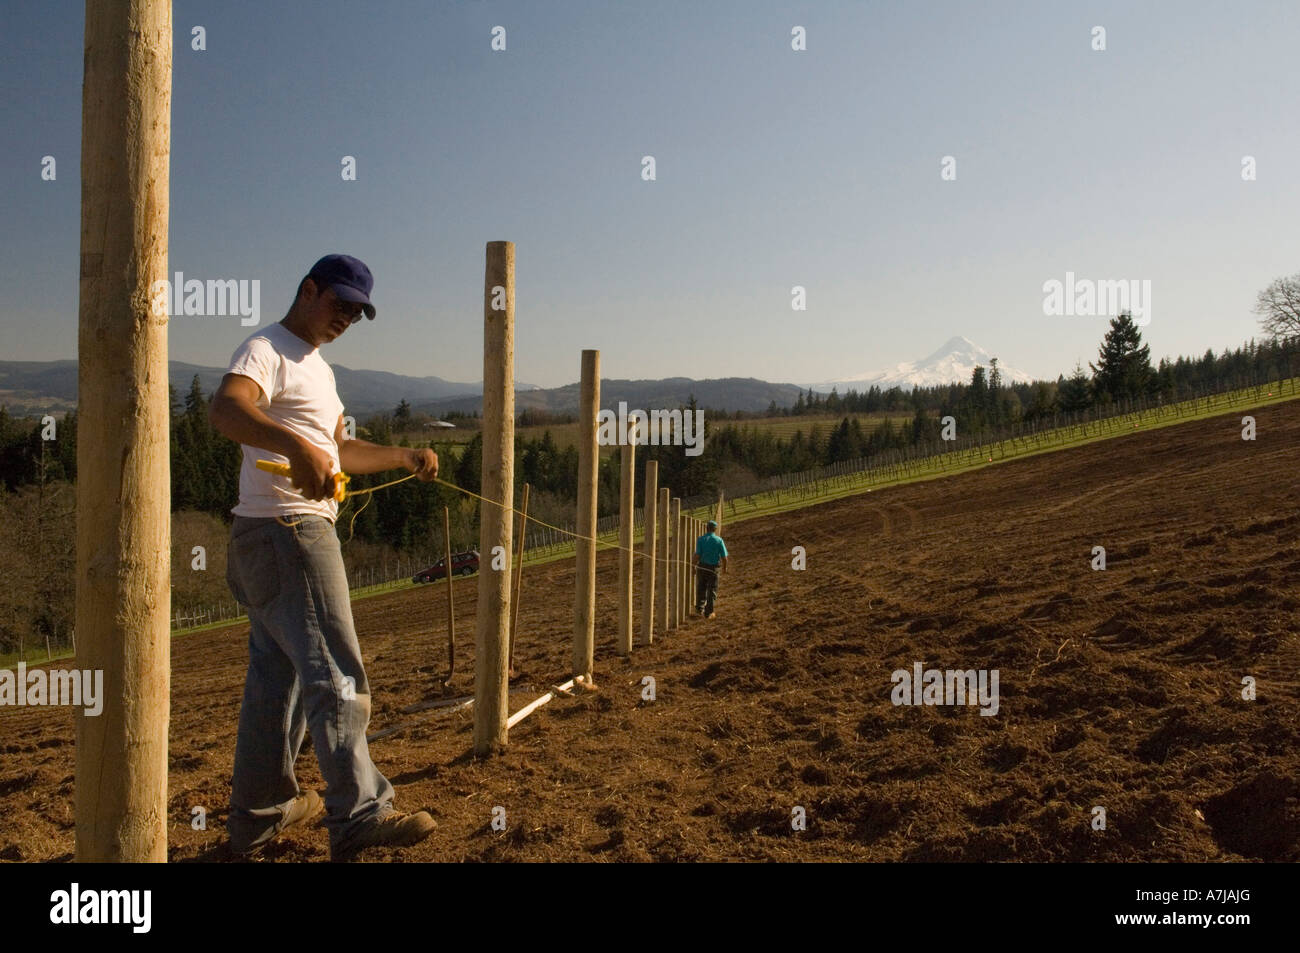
(312, 472)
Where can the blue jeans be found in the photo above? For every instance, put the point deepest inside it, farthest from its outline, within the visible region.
(304, 673)
(706, 587)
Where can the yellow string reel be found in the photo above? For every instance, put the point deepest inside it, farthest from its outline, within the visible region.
(341, 479)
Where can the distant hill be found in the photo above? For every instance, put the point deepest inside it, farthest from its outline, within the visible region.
(30, 387)
(362, 392)
(726, 393)
(39, 387)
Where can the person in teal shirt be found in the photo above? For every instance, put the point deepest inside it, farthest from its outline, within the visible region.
(710, 560)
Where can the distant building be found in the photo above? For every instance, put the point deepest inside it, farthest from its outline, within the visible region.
(439, 425)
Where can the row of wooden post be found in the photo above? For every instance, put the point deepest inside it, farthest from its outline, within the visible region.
(668, 584)
(667, 579)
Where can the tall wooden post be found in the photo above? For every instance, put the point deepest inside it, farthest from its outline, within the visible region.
(584, 616)
(626, 514)
(519, 580)
(679, 535)
(671, 571)
(675, 564)
(690, 570)
(647, 636)
(662, 550)
(691, 536)
(123, 496)
(690, 554)
(682, 522)
(721, 497)
(492, 642)
(694, 576)
(451, 598)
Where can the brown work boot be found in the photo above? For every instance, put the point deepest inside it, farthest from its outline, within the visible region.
(394, 830)
(304, 807)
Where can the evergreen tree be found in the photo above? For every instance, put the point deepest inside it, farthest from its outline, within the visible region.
(188, 464)
(469, 469)
(1123, 368)
(65, 467)
(1044, 402)
(884, 438)
(1165, 383)
(975, 406)
(840, 446)
(920, 426)
(994, 408)
(11, 452)
(547, 455)
(1075, 392)
(857, 439)
(204, 464)
(698, 474)
(817, 444)
(379, 429)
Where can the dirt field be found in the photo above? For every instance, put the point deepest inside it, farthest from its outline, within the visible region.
(1120, 689)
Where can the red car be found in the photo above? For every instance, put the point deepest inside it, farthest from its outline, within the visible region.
(462, 564)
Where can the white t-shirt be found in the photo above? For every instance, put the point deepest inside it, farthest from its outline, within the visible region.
(298, 393)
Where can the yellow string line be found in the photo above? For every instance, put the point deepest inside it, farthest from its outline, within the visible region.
(531, 519)
(590, 539)
(382, 486)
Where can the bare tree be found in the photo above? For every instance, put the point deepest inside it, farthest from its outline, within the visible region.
(1278, 307)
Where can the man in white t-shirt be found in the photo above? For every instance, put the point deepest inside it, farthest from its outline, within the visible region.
(305, 672)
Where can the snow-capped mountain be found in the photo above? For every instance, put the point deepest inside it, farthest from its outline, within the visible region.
(952, 363)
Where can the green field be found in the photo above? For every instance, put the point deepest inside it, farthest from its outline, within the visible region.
(784, 427)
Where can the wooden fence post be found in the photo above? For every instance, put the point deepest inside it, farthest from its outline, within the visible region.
(626, 510)
(648, 571)
(663, 520)
(683, 561)
(123, 532)
(584, 616)
(492, 642)
(674, 563)
(451, 598)
(519, 580)
(687, 549)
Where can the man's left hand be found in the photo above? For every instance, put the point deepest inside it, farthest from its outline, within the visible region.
(423, 463)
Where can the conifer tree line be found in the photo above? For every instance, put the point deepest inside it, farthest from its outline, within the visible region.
(988, 406)
(1123, 371)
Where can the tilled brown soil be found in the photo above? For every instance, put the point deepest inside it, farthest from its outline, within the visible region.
(1119, 689)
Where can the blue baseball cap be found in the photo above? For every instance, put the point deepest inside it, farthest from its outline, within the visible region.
(349, 278)
(711, 524)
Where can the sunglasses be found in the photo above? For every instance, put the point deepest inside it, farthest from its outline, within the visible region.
(348, 309)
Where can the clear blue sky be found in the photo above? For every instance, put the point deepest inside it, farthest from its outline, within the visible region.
(775, 168)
